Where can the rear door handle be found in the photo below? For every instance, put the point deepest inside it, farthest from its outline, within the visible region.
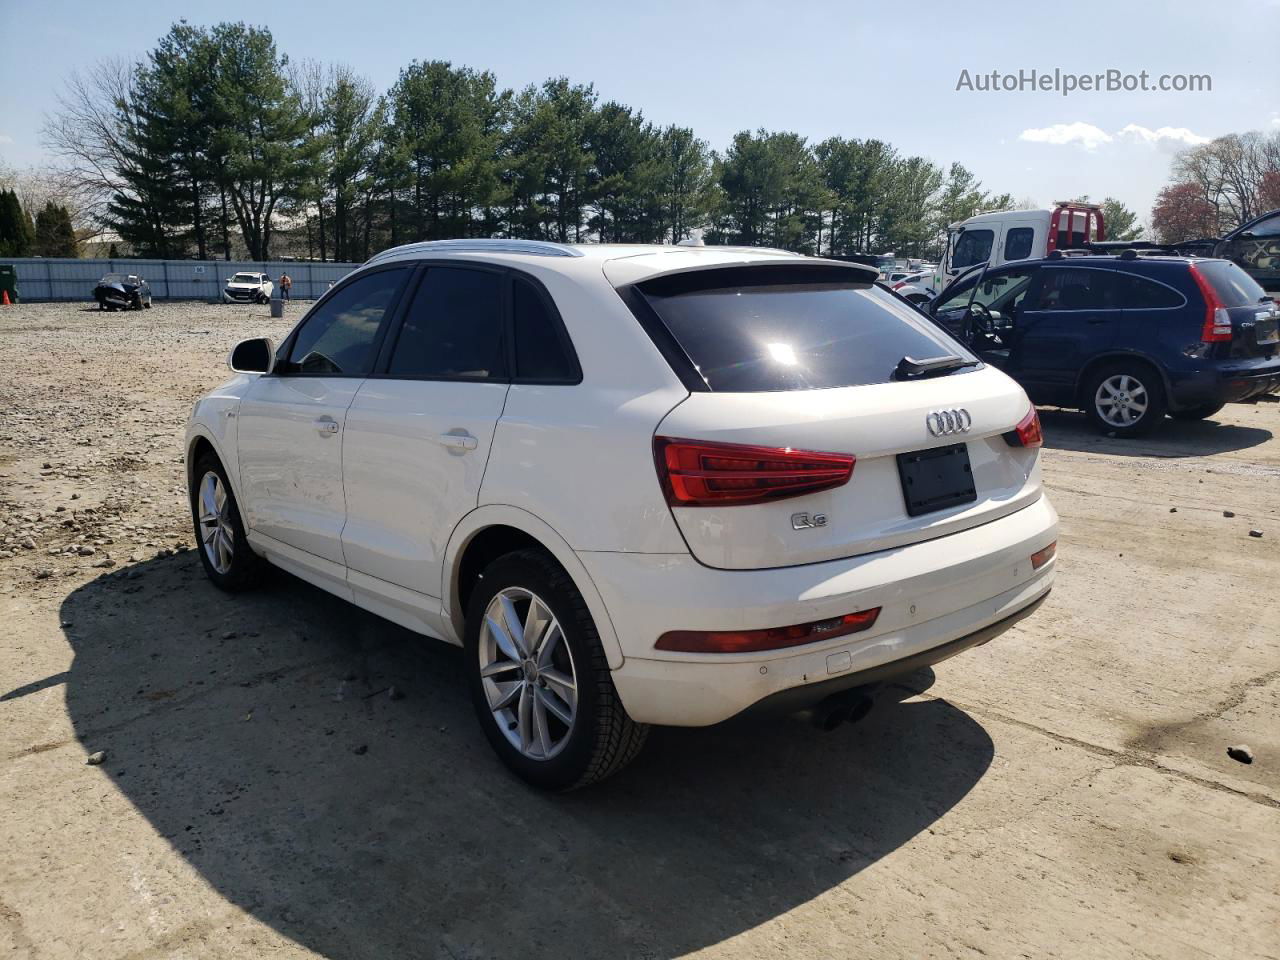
(327, 426)
(458, 441)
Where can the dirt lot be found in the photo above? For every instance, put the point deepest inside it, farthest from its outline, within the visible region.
(1063, 791)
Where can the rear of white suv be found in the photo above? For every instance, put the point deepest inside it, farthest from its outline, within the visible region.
(652, 485)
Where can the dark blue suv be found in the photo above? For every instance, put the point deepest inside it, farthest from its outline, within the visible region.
(1124, 338)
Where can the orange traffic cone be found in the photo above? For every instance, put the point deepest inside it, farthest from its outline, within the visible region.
(4, 299)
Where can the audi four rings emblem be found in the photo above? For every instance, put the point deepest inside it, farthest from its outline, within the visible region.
(945, 423)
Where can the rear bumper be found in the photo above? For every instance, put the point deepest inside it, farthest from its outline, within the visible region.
(932, 596)
(1228, 382)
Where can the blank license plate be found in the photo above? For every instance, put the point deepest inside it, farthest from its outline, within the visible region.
(936, 479)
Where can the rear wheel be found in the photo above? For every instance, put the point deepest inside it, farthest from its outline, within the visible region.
(1126, 399)
(225, 554)
(539, 678)
(1197, 413)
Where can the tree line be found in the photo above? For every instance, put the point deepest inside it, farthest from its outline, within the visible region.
(1216, 186)
(217, 144)
(51, 235)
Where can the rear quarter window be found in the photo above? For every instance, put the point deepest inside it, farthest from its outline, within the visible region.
(755, 330)
(1139, 293)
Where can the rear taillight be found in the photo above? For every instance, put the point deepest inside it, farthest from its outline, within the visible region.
(899, 285)
(697, 473)
(773, 638)
(1027, 433)
(1217, 322)
(1041, 557)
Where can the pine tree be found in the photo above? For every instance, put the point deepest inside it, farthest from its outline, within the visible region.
(16, 237)
(55, 236)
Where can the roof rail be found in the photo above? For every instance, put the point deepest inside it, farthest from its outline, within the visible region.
(534, 248)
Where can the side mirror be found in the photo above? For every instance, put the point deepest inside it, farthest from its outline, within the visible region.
(253, 356)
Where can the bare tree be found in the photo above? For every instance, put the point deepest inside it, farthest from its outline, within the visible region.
(88, 134)
(1230, 174)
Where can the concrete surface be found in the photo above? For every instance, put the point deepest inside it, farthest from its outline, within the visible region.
(1062, 792)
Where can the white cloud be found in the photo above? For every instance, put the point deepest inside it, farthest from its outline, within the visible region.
(1089, 137)
(1085, 134)
(1275, 119)
(5, 139)
(1147, 135)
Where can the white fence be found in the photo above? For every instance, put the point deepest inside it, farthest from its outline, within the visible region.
(66, 279)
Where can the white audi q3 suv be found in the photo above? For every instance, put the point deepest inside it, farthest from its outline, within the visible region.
(637, 484)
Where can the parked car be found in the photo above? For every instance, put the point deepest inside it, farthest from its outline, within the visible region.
(638, 487)
(122, 291)
(915, 287)
(1255, 247)
(248, 288)
(1124, 338)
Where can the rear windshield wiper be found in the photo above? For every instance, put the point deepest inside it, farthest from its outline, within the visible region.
(911, 369)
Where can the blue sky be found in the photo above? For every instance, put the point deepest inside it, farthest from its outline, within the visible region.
(820, 69)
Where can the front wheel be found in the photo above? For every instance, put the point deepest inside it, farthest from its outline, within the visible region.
(225, 554)
(1125, 399)
(539, 678)
(1197, 413)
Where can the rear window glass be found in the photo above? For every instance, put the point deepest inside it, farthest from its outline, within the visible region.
(1078, 288)
(1234, 287)
(752, 330)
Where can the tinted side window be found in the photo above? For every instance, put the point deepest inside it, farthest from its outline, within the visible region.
(1139, 293)
(540, 352)
(974, 246)
(453, 328)
(339, 335)
(1017, 243)
(1267, 228)
(1083, 289)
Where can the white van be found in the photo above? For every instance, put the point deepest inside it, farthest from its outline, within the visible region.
(1009, 235)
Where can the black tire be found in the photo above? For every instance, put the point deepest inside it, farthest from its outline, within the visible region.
(1151, 393)
(603, 738)
(147, 304)
(137, 301)
(246, 567)
(1197, 413)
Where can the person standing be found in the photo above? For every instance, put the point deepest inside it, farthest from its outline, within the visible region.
(286, 285)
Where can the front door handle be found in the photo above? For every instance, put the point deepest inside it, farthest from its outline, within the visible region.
(327, 426)
(458, 441)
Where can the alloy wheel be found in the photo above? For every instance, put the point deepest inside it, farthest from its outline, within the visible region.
(527, 672)
(1121, 400)
(216, 533)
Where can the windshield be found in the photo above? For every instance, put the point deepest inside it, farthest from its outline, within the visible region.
(114, 278)
(246, 278)
(756, 330)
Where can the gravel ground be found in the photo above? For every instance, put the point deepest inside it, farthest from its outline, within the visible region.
(1062, 792)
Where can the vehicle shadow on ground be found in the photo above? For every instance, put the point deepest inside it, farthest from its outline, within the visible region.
(1071, 430)
(257, 735)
